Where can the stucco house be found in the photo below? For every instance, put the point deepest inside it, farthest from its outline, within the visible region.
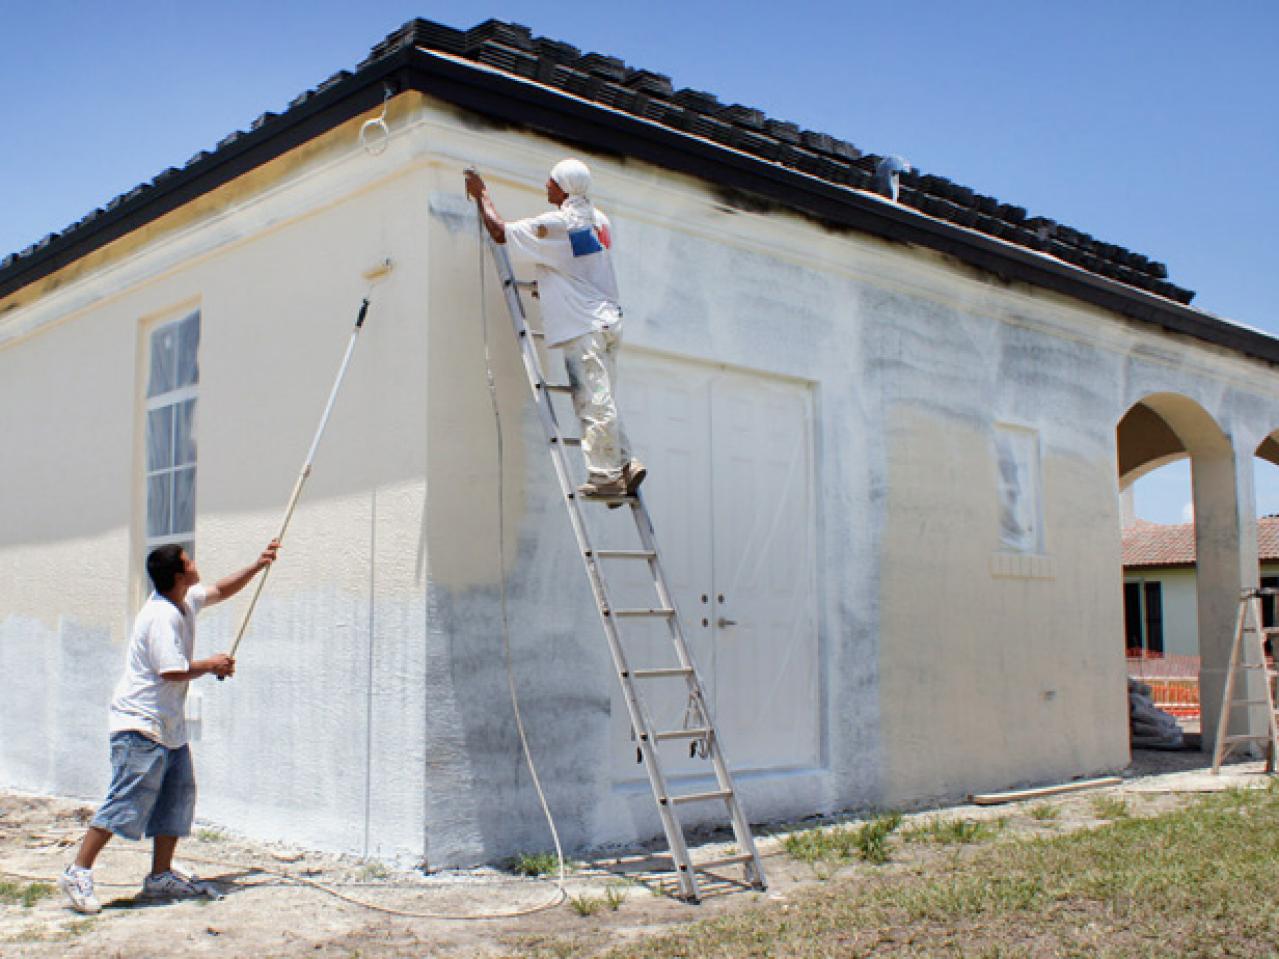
(887, 440)
(1160, 595)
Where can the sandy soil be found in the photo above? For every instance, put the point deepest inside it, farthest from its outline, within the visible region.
(292, 902)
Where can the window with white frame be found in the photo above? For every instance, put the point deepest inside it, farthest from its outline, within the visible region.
(172, 382)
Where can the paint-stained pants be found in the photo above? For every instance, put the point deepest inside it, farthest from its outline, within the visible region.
(591, 363)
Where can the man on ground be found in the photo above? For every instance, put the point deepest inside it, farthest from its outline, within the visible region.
(152, 789)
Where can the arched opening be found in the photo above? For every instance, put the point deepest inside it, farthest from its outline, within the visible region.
(1186, 584)
(1265, 484)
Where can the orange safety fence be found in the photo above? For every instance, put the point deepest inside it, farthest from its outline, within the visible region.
(1173, 680)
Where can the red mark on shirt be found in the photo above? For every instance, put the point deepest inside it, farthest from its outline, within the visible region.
(606, 238)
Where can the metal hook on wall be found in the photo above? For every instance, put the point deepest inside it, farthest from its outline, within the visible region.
(375, 134)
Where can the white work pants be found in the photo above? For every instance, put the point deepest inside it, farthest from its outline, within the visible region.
(591, 363)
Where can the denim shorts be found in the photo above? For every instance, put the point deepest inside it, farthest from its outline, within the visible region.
(152, 789)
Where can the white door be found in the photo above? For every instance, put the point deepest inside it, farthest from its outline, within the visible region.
(730, 493)
(664, 408)
(767, 699)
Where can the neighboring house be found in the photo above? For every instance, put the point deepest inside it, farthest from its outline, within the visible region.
(887, 443)
(1160, 594)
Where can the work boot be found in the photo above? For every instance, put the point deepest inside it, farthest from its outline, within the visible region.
(77, 884)
(599, 488)
(633, 472)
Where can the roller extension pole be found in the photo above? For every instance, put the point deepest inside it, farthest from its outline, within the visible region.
(302, 477)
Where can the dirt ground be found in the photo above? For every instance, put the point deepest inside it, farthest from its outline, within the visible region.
(282, 902)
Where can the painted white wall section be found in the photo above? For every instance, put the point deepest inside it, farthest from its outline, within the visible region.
(822, 415)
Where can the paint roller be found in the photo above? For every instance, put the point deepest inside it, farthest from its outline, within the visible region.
(372, 275)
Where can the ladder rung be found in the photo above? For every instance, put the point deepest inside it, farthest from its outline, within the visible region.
(701, 797)
(1243, 738)
(743, 857)
(567, 440)
(622, 553)
(663, 671)
(555, 387)
(1250, 702)
(633, 613)
(698, 732)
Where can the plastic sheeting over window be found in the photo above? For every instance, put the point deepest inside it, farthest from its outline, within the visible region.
(174, 373)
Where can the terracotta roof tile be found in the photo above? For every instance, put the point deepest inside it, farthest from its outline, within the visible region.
(1148, 545)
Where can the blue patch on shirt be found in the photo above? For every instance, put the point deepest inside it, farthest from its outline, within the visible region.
(584, 242)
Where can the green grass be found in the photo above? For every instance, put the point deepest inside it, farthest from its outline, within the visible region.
(372, 869)
(950, 831)
(1044, 812)
(839, 844)
(24, 894)
(1199, 882)
(585, 905)
(1110, 807)
(614, 896)
(534, 864)
(210, 835)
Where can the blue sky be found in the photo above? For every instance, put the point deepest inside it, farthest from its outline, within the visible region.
(1148, 124)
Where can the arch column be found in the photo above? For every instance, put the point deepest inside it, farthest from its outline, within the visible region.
(1226, 551)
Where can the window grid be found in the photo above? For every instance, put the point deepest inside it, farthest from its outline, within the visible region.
(170, 467)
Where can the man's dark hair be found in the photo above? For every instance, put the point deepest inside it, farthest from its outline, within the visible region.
(163, 566)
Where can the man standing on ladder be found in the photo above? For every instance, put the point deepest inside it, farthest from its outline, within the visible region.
(571, 251)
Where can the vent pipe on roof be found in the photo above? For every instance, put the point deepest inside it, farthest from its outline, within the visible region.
(887, 175)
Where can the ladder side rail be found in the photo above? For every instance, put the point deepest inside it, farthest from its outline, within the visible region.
(719, 762)
(1223, 720)
(1272, 728)
(634, 706)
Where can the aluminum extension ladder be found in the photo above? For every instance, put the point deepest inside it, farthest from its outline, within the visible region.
(698, 727)
(1247, 652)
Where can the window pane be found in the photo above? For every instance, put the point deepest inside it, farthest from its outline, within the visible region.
(164, 343)
(184, 500)
(184, 433)
(160, 438)
(159, 501)
(187, 351)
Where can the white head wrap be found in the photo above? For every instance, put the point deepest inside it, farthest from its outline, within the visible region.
(574, 178)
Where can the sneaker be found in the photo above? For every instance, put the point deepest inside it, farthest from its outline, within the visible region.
(633, 473)
(77, 884)
(176, 885)
(598, 488)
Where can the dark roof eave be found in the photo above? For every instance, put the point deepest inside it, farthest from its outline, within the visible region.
(560, 115)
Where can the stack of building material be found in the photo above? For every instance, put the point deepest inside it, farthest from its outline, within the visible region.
(1149, 726)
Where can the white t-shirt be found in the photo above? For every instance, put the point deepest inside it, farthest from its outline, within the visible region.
(163, 641)
(575, 280)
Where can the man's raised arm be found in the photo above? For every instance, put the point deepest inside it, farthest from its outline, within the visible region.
(228, 586)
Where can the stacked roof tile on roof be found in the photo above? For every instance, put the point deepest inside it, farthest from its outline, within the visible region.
(606, 80)
(513, 48)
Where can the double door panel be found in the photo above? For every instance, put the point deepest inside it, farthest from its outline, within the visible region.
(730, 493)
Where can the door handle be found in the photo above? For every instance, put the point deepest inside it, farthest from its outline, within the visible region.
(722, 622)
